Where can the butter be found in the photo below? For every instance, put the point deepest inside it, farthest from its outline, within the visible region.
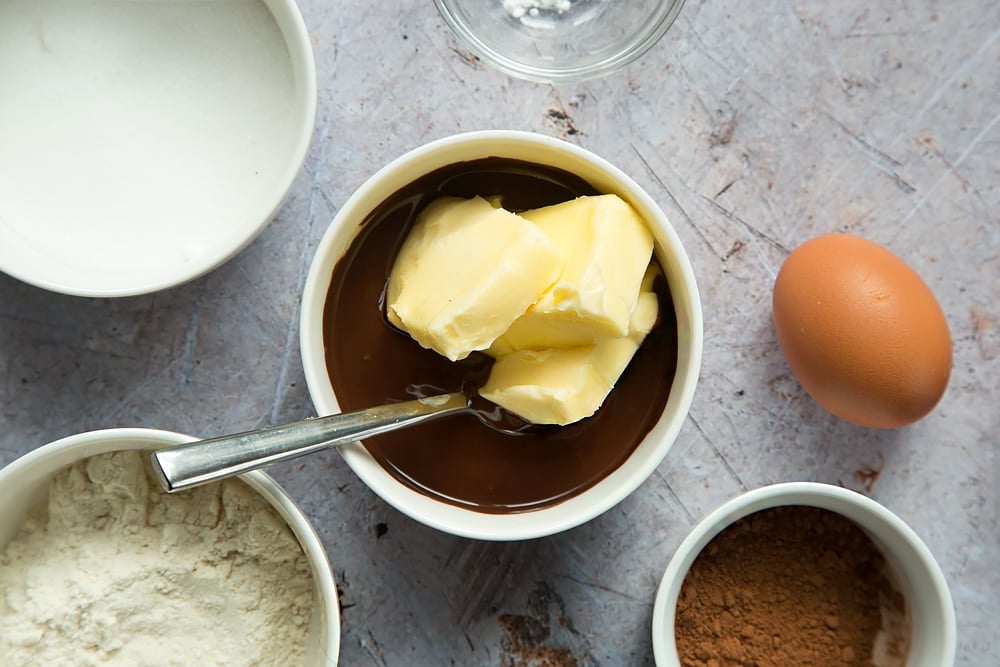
(607, 248)
(558, 385)
(561, 296)
(647, 308)
(465, 272)
(565, 385)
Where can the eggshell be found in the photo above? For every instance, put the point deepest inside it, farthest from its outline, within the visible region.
(861, 331)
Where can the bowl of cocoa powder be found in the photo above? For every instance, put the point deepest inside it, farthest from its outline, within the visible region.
(803, 574)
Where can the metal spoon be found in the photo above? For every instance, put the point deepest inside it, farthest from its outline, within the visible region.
(204, 461)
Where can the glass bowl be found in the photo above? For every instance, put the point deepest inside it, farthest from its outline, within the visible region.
(558, 41)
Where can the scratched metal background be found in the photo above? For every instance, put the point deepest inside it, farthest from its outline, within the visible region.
(756, 126)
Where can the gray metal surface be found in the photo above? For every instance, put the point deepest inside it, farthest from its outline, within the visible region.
(756, 126)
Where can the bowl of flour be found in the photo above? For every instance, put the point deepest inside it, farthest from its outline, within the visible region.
(98, 566)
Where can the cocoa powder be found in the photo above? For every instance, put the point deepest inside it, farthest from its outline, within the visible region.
(789, 586)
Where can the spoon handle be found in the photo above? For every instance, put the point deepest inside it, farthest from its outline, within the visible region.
(205, 461)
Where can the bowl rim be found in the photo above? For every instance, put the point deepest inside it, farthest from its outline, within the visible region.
(92, 443)
(812, 494)
(298, 45)
(636, 47)
(458, 520)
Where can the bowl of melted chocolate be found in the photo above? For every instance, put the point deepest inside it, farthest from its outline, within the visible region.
(491, 475)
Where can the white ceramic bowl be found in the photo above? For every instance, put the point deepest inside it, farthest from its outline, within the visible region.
(672, 257)
(555, 41)
(932, 614)
(24, 482)
(146, 143)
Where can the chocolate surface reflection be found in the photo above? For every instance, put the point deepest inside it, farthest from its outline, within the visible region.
(462, 460)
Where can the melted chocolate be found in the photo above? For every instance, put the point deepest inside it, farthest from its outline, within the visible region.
(461, 460)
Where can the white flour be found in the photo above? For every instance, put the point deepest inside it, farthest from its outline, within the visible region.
(518, 8)
(115, 572)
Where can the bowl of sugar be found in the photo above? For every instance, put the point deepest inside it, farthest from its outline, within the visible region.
(146, 143)
(97, 563)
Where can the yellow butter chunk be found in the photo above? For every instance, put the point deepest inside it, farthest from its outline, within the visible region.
(465, 272)
(647, 307)
(607, 249)
(565, 385)
(558, 385)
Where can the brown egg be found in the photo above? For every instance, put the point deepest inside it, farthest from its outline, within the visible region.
(861, 331)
